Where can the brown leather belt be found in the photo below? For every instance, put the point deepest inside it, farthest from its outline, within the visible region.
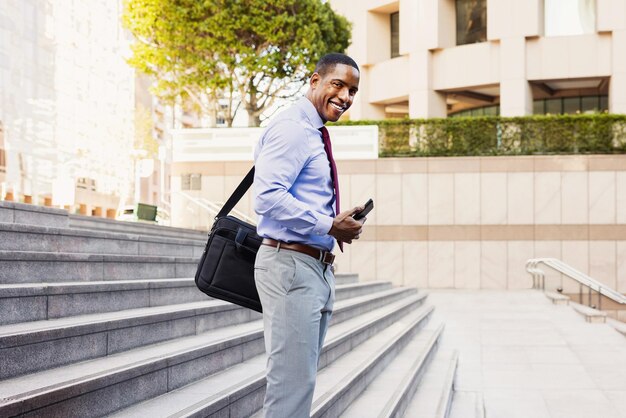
(325, 257)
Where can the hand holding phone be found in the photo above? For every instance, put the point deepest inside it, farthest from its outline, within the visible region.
(369, 205)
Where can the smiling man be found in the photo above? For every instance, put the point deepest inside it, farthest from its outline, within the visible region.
(296, 198)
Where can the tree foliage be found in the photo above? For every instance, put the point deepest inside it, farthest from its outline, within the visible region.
(248, 52)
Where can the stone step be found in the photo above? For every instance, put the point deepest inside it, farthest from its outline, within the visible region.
(239, 391)
(619, 326)
(112, 225)
(433, 398)
(40, 267)
(42, 301)
(33, 346)
(20, 213)
(17, 237)
(557, 298)
(342, 383)
(101, 386)
(346, 278)
(467, 405)
(351, 290)
(590, 314)
(389, 394)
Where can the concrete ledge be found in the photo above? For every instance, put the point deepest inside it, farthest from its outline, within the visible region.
(342, 393)
(17, 237)
(36, 267)
(27, 351)
(346, 278)
(182, 361)
(243, 395)
(618, 325)
(364, 303)
(557, 298)
(36, 302)
(352, 290)
(93, 223)
(445, 401)
(591, 315)
(401, 397)
(21, 213)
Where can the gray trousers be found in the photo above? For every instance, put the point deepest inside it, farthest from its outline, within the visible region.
(297, 293)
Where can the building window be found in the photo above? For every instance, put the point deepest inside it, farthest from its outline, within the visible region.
(86, 183)
(569, 17)
(471, 21)
(191, 182)
(571, 105)
(492, 110)
(395, 34)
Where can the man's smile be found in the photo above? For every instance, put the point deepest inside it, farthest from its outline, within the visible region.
(338, 107)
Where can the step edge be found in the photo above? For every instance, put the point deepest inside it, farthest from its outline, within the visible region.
(327, 346)
(325, 402)
(410, 383)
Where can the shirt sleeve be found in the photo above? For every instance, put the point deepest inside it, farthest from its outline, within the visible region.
(283, 154)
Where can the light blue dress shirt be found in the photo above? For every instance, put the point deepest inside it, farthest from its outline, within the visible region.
(293, 189)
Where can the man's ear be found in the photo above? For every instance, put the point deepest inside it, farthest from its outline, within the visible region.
(314, 80)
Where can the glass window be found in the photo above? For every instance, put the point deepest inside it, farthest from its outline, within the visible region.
(471, 21)
(604, 103)
(571, 105)
(569, 17)
(538, 107)
(554, 106)
(590, 104)
(395, 34)
(196, 182)
(491, 111)
(185, 182)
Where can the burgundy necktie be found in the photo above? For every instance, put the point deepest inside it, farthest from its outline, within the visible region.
(333, 171)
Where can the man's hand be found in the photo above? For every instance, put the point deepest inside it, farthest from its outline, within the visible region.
(345, 228)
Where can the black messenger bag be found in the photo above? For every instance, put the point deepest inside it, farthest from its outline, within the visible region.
(226, 269)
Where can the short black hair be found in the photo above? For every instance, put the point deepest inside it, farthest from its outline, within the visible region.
(328, 62)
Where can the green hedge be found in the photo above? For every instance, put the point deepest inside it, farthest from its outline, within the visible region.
(494, 135)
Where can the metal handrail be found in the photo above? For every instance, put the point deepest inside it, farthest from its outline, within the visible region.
(214, 208)
(539, 279)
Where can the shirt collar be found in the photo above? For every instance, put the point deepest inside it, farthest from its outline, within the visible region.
(310, 112)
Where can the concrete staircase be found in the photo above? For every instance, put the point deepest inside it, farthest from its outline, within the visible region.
(99, 317)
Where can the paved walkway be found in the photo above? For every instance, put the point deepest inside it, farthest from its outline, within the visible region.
(523, 357)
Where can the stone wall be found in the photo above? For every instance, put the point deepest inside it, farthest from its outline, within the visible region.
(470, 222)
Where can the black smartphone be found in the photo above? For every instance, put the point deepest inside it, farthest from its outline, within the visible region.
(367, 209)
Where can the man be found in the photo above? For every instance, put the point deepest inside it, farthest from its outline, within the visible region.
(295, 199)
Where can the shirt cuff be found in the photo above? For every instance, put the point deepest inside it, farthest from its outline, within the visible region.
(323, 225)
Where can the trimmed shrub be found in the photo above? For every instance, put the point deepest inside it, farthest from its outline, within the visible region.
(495, 135)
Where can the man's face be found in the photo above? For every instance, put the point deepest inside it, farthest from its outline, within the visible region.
(332, 93)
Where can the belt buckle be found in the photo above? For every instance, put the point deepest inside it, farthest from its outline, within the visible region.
(327, 258)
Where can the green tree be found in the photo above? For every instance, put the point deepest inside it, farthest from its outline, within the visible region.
(246, 52)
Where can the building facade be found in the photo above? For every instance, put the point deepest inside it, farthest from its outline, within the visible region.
(67, 100)
(438, 58)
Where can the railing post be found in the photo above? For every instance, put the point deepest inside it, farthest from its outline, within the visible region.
(599, 298)
(580, 293)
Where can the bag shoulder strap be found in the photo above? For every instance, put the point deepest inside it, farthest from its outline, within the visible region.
(237, 194)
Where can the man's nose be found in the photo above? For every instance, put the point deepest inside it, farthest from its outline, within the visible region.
(344, 95)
